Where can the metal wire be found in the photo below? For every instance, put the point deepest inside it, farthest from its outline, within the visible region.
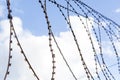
(50, 38)
(85, 12)
(12, 31)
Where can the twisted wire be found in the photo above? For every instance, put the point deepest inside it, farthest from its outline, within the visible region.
(93, 45)
(70, 10)
(98, 16)
(93, 10)
(105, 73)
(115, 49)
(60, 50)
(75, 39)
(113, 45)
(50, 38)
(103, 61)
(12, 31)
(68, 21)
(95, 55)
(63, 57)
(102, 54)
(110, 29)
(88, 32)
(10, 40)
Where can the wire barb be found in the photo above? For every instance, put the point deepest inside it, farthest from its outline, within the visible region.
(43, 6)
(109, 29)
(12, 31)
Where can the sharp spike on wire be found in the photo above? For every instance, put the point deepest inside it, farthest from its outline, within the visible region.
(111, 31)
(12, 31)
(43, 6)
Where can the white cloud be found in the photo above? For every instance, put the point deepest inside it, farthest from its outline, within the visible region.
(37, 51)
(117, 10)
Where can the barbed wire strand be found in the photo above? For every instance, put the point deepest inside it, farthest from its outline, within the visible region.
(88, 32)
(95, 54)
(110, 31)
(104, 62)
(50, 38)
(106, 72)
(63, 57)
(93, 45)
(10, 42)
(84, 64)
(99, 13)
(73, 31)
(90, 38)
(62, 54)
(112, 43)
(91, 10)
(69, 10)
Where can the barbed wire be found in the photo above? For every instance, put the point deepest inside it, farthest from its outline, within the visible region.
(75, 39)
(43, 6)
(12, 31)
(85, 13)
(111, 29)
(10, 40)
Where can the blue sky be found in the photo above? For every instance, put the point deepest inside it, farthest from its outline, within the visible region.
(33, 17)
(31, 13)
(32, 31)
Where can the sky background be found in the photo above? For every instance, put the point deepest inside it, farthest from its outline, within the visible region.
(32, 31)
(32, 16)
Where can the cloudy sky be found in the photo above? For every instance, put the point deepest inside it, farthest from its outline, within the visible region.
(31, 29)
